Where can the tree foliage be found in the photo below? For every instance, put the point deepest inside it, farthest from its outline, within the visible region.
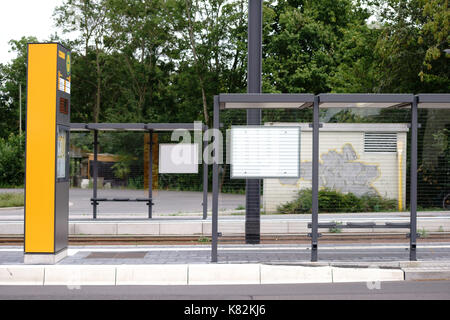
(11, 76)
(164, 60)
(12, 160)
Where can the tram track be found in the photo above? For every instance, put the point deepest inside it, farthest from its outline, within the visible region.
(266, 239)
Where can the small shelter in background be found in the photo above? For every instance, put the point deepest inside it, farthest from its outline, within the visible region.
(151, 129)
(82, 163)
(79, 166)
(105, 164)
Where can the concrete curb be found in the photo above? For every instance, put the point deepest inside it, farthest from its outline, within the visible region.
(366, 275)
(152, 275)
(22, 275)
(426, 274)
(192, 274)
(75, 275)
(271, 274)
(10, 208)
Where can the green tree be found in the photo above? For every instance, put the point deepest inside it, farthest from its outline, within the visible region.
(12, 160)
(12, 75)
(302, 43)
(357, 66)
(411, 46)
(144, 49)
(89, 18)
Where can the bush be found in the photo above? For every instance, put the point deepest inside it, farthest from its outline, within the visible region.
(11, 200)
(336, 202)
(12, 161)
(136, 183)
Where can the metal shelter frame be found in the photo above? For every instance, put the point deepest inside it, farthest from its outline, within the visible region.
(140, 127)
(300, 101)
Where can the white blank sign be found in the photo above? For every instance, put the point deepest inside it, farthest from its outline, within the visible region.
(265, 152)
(178, 158)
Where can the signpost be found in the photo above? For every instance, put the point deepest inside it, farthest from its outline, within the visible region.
(254, 73)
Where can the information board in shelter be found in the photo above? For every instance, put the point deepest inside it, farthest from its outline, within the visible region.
(265, 152)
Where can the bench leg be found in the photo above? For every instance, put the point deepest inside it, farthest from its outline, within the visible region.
(94, 209)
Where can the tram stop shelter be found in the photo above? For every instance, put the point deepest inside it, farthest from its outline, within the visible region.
(316, 102)
(139, 127)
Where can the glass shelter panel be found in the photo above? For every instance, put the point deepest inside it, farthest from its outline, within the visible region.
(433, 185)
(363, 154)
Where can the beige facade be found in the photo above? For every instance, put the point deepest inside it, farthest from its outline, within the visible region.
(361, 158)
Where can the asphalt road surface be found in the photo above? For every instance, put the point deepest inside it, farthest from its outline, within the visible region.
(183, 203)
(436, 290)
(166, 202)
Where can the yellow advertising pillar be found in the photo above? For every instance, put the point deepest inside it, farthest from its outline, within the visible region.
(47, 153)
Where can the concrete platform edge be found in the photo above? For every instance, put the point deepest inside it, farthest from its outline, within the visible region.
(205, 274)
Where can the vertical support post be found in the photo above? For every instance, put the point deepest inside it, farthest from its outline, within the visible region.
(95, 167)
(253, 186)
(205, 176)
(215, 183)
(20, 108)
(150, 176)
(315, 182)
(413, 195)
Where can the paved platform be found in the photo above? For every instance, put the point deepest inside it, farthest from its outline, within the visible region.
(238, 264)
(358, 254)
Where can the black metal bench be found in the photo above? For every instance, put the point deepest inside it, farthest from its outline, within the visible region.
(96, 201)
(362, 225)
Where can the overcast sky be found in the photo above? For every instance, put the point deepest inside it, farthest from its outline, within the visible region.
(25, 18)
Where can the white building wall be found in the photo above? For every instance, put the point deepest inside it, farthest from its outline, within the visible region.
(337, 142)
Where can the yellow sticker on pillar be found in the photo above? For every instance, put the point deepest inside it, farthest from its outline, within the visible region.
(68, 66)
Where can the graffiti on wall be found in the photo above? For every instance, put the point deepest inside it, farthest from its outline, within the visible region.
(341, 171)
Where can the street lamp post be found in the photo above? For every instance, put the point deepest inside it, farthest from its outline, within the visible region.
(254, 71)
(20, 108)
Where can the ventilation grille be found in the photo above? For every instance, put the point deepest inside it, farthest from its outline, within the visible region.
(380, 142)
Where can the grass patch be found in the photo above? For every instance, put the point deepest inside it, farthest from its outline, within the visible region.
(11, 200)
(423, 233)
(179, 213)
(336, 202)
(204, 240)
(336, 229)
(420, 208)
